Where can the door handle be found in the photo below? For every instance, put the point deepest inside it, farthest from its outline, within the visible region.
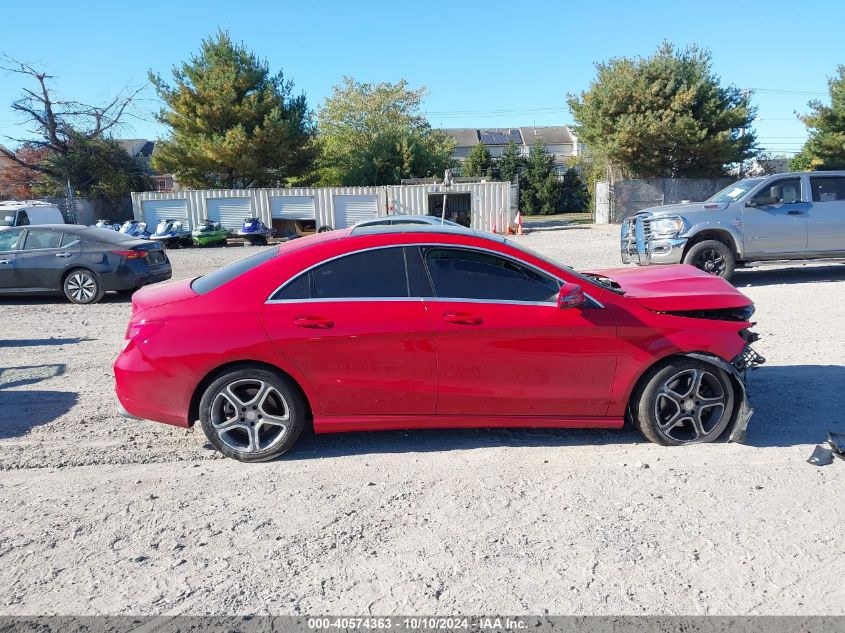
(459, 318)
(795, 212)
(313, 322)
(65, 254)
(5, 261)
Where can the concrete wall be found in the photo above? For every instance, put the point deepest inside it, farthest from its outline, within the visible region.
(627, 197)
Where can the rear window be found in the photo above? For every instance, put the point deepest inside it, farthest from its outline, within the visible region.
(214, 280)
(106, 235)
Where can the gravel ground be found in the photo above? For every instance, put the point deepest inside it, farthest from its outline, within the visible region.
(102, 515)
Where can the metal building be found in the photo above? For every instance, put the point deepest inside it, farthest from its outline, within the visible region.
(484, 205)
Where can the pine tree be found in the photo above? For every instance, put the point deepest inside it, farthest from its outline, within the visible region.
(665, 116)
(540, 191)
(478, 162)
(511, 163)
(825, 149)
(232, 123)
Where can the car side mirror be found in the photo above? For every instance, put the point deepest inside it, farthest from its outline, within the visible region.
(570, 296)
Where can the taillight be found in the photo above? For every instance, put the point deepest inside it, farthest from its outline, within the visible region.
(141, 332)
(130, 254)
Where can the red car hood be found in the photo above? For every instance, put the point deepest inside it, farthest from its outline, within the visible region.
(674, 288)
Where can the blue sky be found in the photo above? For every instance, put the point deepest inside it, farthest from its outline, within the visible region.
(486, 64)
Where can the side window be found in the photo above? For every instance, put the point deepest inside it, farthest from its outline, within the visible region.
(299, 288)
(463, 274)
(68, 238)
(375, 273)
(9, 239)
(23, 219)
(828, 188)
(783, 191)
(36, 240)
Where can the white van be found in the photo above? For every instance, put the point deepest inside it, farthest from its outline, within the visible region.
(29, 212)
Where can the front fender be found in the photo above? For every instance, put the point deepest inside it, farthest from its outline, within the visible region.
(743, 410)
(712, 226)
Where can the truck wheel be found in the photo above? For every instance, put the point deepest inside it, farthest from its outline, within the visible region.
(712, 256)
(685, 401)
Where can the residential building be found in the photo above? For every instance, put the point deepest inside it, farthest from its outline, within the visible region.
(142, 150)
(559, 141)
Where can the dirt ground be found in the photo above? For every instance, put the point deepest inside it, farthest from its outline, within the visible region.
(103, 515)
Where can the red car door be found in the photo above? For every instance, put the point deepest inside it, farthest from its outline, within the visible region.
(350, 326)
(505, 348)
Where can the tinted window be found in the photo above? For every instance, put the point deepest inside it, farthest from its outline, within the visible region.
(299, 288)
(827, 189)
(9, 239)
(419, 284)
(105, 235)
(23, 219)
(462, 274)
(781, 191)
(376, 273)
(36, 240)
(215, 279)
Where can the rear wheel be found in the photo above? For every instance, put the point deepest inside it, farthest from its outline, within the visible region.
(685, 401)
(324, 229)
(712, 256)
(252, 414)
(82, 286)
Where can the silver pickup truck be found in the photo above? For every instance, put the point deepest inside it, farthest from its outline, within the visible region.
(779, 217)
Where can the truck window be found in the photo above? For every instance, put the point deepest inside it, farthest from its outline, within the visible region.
(23, 219)
(783, 191)
(827, 188)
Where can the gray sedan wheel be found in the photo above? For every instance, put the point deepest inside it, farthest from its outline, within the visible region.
(82, 286)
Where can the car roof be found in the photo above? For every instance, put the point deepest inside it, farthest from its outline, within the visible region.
(423, 229)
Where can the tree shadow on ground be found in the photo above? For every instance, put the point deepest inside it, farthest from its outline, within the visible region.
(794, 405)
(38, 342)
(24, 410)
(50, 299)
(11, 377)
(792, 275)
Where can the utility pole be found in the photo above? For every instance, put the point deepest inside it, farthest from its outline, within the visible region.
(70, 202)
(447, 182)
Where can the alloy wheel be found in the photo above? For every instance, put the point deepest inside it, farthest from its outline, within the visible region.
(690, 405)
(250, 416)
(81, 287)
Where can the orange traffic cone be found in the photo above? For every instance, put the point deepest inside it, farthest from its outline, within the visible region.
(518, 223)
(494, 228)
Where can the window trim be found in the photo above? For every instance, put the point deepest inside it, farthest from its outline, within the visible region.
(591, 300)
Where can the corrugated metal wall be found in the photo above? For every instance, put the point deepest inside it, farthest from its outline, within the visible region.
(491, 201)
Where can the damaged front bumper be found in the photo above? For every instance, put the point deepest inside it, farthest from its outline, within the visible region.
(745, 360)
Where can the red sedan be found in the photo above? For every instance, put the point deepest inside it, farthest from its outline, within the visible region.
(427, 327)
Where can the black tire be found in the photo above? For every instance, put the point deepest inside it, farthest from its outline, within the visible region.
(246, 436)
(82, 286)
(712, 256)
(670, 410)
(324, 229)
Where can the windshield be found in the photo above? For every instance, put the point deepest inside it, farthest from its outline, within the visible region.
(735, 191)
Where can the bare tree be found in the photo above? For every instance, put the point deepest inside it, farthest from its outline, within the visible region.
(56, 124)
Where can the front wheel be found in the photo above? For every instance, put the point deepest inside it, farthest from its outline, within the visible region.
(82, 286)
(252, 414)
(685, 401)
(712, 256)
